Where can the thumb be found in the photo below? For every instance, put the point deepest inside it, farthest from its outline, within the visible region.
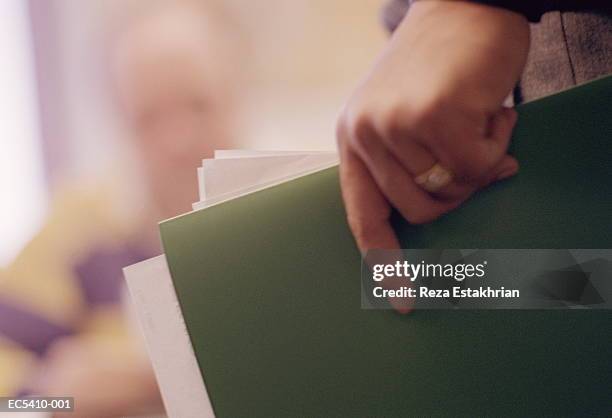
(501, 126)
(499, 131)
(496, 146)
(507, 167)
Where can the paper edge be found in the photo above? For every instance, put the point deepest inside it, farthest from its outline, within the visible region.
(253, 189)
(167, 340)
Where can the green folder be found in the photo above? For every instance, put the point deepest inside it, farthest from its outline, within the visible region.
(269, 286)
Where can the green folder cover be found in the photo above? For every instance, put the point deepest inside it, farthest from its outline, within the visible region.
(269, 286)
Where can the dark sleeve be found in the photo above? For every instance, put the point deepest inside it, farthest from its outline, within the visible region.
(532, 9)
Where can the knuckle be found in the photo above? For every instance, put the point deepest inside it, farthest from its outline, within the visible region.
(362, 130)
(395, 124)
(423, 117)
(356, 126)
(362, 122)
(401, 124)
(361, 133)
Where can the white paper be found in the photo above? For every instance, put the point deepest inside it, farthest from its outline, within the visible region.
(232, 173)
(247, 153)
(176, 368)
(237, 174)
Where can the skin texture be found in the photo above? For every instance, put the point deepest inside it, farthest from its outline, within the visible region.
(435, 95)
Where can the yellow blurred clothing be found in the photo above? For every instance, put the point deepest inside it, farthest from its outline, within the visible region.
(67, 282)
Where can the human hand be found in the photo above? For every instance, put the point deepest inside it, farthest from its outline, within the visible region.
(433, 98)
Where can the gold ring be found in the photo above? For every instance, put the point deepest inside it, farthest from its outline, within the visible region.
(434, 179)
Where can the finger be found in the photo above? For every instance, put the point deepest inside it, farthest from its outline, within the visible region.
(412, 155)
(508, 167)
(421, 164)
(367, 209)
(434, 179)
(497, 142)
(397, 184)
(368, 217)
(494, 146)
(501, 126)
(471, 160)
(391, 257)
(419, 161)
(438, 181)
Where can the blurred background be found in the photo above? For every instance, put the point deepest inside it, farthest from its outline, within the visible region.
(58, 121)
(107, 109)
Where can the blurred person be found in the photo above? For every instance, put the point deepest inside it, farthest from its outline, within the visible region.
(62, 328)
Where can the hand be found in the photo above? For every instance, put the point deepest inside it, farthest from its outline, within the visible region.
(434, 96)
(105, 378)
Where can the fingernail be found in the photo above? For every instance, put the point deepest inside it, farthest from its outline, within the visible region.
(507, 173)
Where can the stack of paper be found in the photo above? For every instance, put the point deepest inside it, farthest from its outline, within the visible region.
(230, 174)
(233, 173)
(259, 290)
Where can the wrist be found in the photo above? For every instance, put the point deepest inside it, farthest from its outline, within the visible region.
(466, 47)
